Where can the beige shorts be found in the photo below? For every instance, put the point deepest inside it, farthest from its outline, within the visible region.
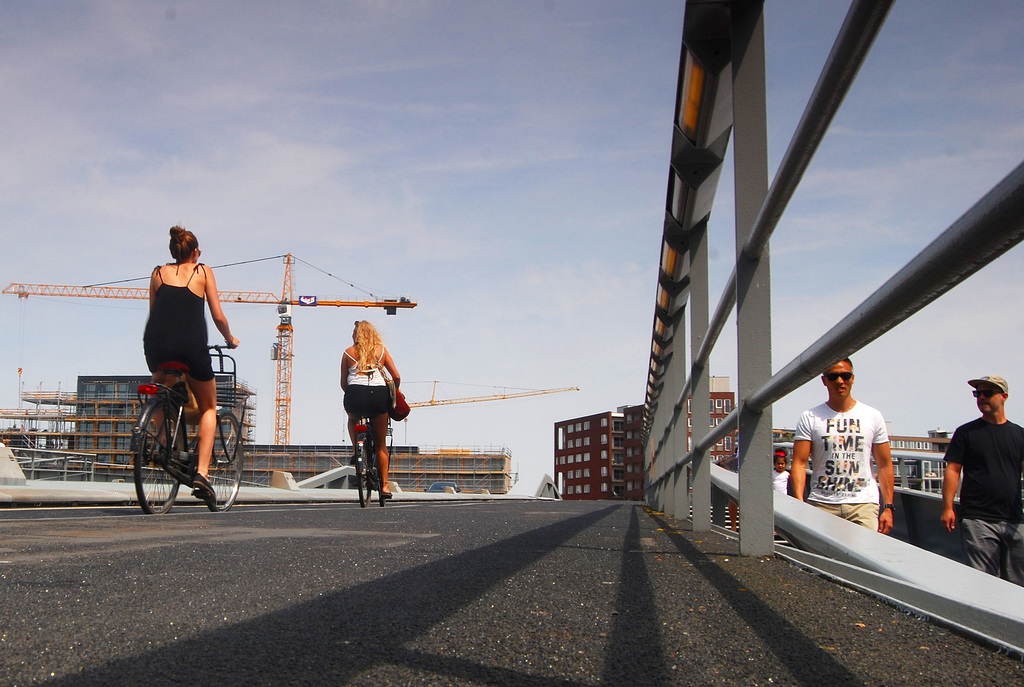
(865, 514)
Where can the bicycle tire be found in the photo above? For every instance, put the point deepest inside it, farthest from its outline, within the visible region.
(226, 462)
(363, 477)
(155, 488)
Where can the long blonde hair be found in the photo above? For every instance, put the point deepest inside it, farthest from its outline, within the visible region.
(366, 339)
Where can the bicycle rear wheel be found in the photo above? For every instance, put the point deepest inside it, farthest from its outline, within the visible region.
(151, 439)
(226, 464)
(364, 478)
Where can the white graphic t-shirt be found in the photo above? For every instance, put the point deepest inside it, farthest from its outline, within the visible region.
(841, 452)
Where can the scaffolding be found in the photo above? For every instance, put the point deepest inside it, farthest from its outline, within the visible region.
(474, 469)
(98, 419)
(413, 468)
(97, 422)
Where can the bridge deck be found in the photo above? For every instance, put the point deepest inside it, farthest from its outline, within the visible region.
(473, 592)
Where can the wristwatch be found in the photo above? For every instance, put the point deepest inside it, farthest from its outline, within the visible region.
(889, 506)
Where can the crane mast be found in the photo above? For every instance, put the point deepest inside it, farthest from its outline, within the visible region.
(283, 396)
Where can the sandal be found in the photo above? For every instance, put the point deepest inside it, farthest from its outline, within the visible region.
(202, 489)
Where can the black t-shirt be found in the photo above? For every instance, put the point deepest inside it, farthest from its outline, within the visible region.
(991, 458)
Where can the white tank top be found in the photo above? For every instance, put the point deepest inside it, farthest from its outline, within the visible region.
(371, 377)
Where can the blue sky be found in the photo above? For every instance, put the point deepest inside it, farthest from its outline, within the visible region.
(502, 164)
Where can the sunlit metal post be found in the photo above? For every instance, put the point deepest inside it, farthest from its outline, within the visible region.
(700, 405)
(753, 277)
(677, 494)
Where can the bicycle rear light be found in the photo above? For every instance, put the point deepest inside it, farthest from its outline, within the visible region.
(148, 389)
(361, 428)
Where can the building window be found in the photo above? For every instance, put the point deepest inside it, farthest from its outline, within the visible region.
(604, 422)
(586, 425)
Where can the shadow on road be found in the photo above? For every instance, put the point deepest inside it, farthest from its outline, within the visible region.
(807, 663)
(339, 638)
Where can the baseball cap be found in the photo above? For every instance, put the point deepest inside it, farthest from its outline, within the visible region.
(995, 380)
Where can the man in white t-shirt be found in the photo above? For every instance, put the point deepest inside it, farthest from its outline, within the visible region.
(841, 437)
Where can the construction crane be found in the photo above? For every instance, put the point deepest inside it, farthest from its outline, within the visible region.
(492, 397)
(282, 349)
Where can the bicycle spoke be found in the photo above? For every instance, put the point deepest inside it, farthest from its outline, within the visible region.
(226, 463)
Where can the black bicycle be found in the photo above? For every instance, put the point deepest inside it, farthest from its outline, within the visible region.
(164, 454)
(368, 477)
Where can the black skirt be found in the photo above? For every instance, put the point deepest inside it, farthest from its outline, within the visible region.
(367, 401)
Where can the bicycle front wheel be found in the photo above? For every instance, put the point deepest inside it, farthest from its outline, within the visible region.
(226, 464)
(151, 448)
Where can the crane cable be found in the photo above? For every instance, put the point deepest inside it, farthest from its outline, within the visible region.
(364, 289)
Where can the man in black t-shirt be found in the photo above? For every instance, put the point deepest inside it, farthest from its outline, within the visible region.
(989, 452)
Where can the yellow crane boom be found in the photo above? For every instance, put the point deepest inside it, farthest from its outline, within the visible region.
(492, 397)
(138, 293)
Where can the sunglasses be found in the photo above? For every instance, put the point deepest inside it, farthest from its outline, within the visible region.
(833, 376)
(985, 393)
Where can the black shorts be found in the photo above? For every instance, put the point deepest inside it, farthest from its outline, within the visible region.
(367, 401)
(200, 367)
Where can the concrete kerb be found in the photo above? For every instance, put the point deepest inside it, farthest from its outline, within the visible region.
(51, 493)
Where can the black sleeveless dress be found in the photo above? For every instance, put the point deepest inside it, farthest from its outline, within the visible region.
(176, 330)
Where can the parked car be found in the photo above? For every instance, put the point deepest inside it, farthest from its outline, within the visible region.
(442, 487)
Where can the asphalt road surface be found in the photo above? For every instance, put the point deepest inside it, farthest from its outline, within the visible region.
(456, 593)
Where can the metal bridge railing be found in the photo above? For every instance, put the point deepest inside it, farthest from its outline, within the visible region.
(719, 96)
(48, 464)
(720, 100)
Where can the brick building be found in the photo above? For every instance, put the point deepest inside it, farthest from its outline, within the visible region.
(601, 456)
(590, 456)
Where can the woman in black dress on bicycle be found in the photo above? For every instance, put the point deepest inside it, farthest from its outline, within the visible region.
(366, 392)
(176, 332)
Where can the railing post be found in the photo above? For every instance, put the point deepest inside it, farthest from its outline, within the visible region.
(753, 277)
(678, 487)
(700, 408)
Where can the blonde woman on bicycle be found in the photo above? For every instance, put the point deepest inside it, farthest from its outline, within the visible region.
(176, 332)
(366, 391)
